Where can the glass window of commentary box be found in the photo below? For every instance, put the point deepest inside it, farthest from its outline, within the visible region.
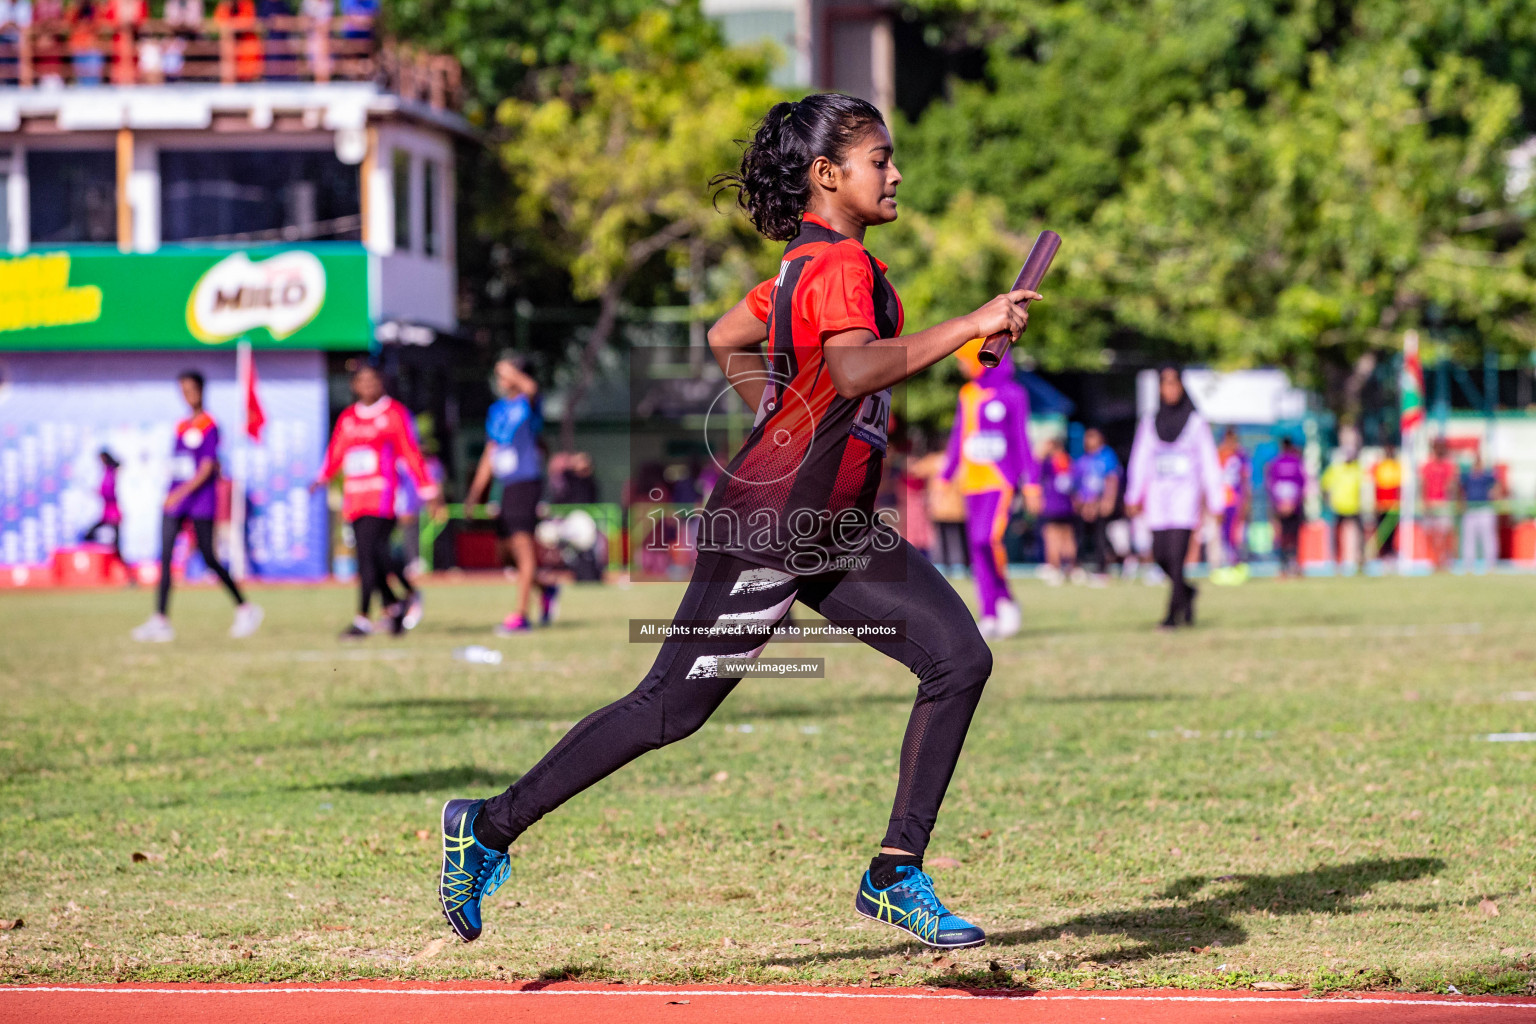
(258, 196)
(431, 222)
(402, 194)
(73, 196)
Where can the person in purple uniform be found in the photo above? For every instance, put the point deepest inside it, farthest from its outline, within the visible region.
(988, 461)
(1058, 519)
(1175, 480)
(1286, 482)
(193, 498)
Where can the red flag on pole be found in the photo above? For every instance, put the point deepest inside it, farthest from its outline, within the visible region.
(255, 419)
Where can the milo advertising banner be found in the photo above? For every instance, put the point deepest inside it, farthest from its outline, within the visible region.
(178, 298)
(91, 341)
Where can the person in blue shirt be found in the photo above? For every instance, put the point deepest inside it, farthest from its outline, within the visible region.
(1480, 489)
(512, 457)
(1095, 489)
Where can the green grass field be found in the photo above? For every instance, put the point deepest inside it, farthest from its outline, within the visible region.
(1297, 791)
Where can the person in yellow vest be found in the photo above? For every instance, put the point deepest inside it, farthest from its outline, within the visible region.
(1342, 485)
(1387, 478)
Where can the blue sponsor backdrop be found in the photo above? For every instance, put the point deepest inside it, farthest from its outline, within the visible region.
(58, 410)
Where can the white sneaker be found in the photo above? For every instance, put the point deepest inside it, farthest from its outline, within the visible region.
(1008, 619)
(988, 627)
(247, 618)
(413, 612)
(157, 630)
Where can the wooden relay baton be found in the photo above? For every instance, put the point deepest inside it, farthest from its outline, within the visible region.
(995, 349)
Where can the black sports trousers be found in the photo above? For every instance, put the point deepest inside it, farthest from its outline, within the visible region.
(1169, 550)
(376, 562)
(202, 529)
(941, 645)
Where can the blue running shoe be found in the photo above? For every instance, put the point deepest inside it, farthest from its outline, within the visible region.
(912, 906)
(471, 872)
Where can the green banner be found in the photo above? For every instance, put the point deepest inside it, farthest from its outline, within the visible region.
(306, 297)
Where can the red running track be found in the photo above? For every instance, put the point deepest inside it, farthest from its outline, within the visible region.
(373, 1002)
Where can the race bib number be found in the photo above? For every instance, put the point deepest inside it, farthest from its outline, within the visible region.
(874, 415)
(984, 446)
(183, 467)
(504, 462)
(360, 462)
(1172, 464)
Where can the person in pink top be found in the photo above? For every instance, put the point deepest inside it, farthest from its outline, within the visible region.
(371, 439)
(1175, 480)
(111, 515)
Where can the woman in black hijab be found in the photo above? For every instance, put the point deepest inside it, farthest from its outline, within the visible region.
(1174, 477)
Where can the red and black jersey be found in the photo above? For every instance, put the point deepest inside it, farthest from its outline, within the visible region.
(812, 454)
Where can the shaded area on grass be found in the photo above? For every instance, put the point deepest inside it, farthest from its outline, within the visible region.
(1204, 922)
(466, 777)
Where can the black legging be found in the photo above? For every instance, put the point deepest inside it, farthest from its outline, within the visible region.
(1096, 530)
(1169, 549)
(941, 645)
(117, 536)
(202, 529)
(376, 562)
(1290, 541)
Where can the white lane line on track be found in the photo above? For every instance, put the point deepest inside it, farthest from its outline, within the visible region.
(635, 993)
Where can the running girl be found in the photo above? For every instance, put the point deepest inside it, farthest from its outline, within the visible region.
(817, 174)
(371, 438)
(111, 514)
(194, 499)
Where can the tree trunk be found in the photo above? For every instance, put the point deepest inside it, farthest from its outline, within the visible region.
(607, 320)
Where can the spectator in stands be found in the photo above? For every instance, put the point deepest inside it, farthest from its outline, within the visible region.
(1286, 482)
(84, 45)
(1480, 488)
(184, 13)
(1095, 488)
(1387, 479)
(319, 13)
(1343, 483)
(15, 16)
(239, 16)
(1438, 480)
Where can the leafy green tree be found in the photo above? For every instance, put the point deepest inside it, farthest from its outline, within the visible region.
(610, 167)
(1244, 182)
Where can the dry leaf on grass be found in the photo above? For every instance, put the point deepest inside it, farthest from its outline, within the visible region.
(727, 942)
(423, 834)
(140, 858)
(943, 962)
(1276, 986)
(10, 924)
(431, 949)
(941, 862)
(721, 776)
(1489, 907)
(803, 942)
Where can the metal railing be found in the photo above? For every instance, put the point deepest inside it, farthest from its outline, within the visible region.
(224, 51)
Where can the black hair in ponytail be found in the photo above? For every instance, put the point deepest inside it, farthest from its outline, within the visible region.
(774, 184)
